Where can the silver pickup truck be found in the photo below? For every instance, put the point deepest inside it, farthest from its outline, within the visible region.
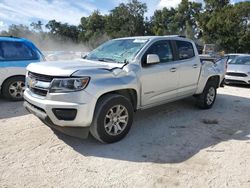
(100, 93)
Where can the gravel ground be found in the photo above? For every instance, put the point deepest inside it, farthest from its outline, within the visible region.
(174, 145)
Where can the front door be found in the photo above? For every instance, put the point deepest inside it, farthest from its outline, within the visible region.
(159, 81)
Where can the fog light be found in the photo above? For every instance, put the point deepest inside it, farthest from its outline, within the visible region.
(65, 114)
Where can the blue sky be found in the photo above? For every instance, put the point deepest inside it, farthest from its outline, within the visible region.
(70, 11)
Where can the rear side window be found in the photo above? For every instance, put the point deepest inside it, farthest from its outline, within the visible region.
(185, 50)
(163, 50)
(16, 51)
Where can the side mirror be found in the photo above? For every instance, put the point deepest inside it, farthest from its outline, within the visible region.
(153, 59)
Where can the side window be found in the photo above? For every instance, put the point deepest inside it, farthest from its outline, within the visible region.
(162, 49)
(185, 50)
(1, 52)
(16, 51)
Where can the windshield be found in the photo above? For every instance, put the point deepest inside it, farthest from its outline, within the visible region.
(118, 51)
(231, 58)
(241, 60)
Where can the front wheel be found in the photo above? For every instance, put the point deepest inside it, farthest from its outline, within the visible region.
(13, 88)
(112, 119)
(207, 98)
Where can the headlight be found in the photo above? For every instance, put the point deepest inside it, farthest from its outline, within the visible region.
(60, 85)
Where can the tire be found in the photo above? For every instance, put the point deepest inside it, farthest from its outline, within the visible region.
(107, 113)
(207, 98)
(13, 88)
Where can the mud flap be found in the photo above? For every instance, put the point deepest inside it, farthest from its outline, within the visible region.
(222, 84)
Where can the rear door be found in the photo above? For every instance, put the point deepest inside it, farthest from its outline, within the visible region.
(159, 81)
(189, 67)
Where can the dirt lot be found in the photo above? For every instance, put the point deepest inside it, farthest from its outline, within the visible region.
(174, 145)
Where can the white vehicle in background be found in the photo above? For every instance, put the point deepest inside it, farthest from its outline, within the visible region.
(238, 71)
(101, 92)
(233, 56)
(15, 55)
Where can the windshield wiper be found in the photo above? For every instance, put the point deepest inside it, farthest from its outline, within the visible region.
(125, 63)
(112, 60)
(107, 60)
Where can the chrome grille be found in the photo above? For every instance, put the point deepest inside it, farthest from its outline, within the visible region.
(39, 91)
(34, 83)
(40, 77)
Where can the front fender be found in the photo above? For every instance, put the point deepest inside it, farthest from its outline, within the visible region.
(99, 87)
(104, 81)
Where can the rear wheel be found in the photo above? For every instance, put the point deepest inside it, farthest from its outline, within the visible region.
(112, 119)
(207, 98)
(13, 88)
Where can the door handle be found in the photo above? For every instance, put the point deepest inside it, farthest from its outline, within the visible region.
(173, 70)
(195, 66)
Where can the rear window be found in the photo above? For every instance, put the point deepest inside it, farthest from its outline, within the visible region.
(185, 50)
(16, 51)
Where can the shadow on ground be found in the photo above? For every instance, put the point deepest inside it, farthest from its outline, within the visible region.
(239, 85)
(175, 132)
(11, 109)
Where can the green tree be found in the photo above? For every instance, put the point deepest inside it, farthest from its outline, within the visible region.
(163, 22)
(63, 31)
(211, 7)
(94, 25)
(229, 27)
(186, 17)
(37, 26)
(215, 5)
(126, 20)
(181, 21)
(217, 22)
(92, 29)
(18, 30)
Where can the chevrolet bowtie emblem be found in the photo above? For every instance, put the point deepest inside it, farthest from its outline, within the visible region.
(32, 82)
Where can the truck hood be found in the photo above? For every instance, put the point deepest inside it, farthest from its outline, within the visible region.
(67, 68)
(238, 68)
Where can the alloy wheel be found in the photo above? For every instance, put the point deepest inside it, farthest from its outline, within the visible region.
(116, 120)
(16, 89)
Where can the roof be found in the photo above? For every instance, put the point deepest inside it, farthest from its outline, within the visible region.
(156, 37)
(238, 54)
(17, 39)
(11, 38)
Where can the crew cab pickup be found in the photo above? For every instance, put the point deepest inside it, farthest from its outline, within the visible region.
(100, 93)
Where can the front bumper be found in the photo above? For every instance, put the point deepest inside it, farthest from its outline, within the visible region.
(44, 107)
(237, 80)
(79, 132)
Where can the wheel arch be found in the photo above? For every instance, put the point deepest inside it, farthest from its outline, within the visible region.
(202, 84)
(215, 79)
(6, 79)
(130, 94)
